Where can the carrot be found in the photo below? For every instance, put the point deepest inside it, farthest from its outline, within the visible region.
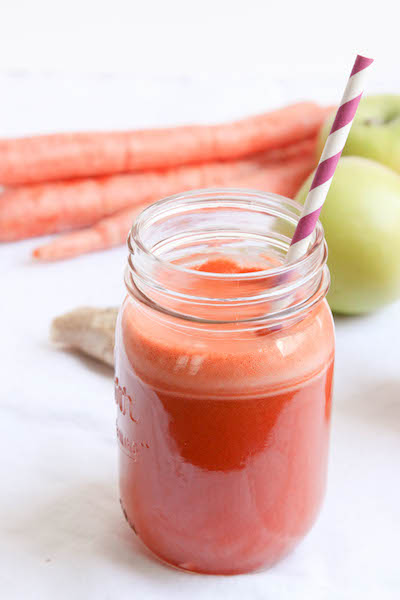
(283, 181)
(46, 208)
(107, 233)
(69, 155)
(282, 178)
(306, 147)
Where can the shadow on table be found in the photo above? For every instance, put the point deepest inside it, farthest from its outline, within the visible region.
(80, 528)
(87, 362)
(93, 365)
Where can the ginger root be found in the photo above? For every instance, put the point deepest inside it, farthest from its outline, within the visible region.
(89, 330)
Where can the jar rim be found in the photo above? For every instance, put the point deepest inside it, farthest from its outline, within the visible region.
(204, 196)
(277, 284)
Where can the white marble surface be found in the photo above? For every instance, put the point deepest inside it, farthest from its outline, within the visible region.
(62, 532)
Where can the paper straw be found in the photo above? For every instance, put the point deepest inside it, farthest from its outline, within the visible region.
(329, 159)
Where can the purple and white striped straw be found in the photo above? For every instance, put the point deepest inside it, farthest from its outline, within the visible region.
(329, 159)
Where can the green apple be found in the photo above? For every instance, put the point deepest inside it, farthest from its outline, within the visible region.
(361, 219)
(375, 132)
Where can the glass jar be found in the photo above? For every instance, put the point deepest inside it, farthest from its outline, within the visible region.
(224, 361)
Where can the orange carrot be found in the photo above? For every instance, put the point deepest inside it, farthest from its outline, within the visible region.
(107, 233)
(46, 208)
(282, 178)
(283, 181)
(67, 155)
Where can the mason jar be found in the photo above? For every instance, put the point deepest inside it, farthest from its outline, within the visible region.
(224, 361)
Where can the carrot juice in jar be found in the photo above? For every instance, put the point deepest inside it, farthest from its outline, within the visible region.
(224, 362)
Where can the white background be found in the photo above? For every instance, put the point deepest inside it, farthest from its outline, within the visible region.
(186, 36)
(88, 65)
